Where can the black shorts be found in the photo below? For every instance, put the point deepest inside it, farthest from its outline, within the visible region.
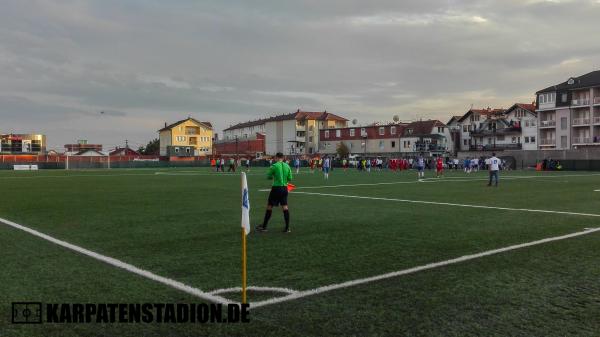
(278, 196)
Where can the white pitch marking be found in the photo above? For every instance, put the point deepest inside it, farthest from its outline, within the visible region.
(253, 288)
(435, 180)
(413, 270)
(450, 204)
(120, 264)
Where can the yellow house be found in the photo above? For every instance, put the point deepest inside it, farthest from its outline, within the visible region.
(186, 138)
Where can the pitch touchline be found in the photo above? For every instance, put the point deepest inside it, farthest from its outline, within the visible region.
(120, 264)
(464, 258)
(450, 204)
(435, 180)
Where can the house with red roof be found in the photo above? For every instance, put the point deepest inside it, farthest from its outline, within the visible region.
(296, 133)
(373, 140)
(490, 129)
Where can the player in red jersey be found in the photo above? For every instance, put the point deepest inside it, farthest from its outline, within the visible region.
(439, 165)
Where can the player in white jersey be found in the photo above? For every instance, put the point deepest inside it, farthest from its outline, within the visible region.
(494, 167)
(420, 167)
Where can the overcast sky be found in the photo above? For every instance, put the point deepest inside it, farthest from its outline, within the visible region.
(145, 62)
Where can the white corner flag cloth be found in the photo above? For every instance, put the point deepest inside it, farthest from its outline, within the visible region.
(245, 205)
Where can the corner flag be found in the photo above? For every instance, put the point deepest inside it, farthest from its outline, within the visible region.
(245, 205)
(245, 230)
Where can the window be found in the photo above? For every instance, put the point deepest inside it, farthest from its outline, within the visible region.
(532, 139)
(563, 97)
(393, 144)
(440, 129)
(500, 137)
(338, 133)
(381, 145)
(180, 138)
(351, 145)
(532, 122)
(563, 141)
(352, 132)
(526, 123)
(526, 140)
(563, 123)
(464, 142)
(326, 133)
(409, 131)
(176, 150)
(393, 130)
(381, 131)
(310, 139)
(489, 140)
(363, 132)
(514, 140)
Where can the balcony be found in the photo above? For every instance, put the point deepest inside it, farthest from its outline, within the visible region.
(580, 122)
(581, 140)
(580, 101)
(596, 120)
(548, 142)
(300, 127)
(597, 100)
(548, 124)
(300, 139)
(496, 147)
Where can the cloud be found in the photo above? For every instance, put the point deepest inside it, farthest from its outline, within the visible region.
(145, 63)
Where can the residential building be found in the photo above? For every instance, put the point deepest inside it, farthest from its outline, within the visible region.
(294, 133)
(252, 146)
(381, 140)
(71, 149)
(429, 137)
(124, 151)
(472, 121)
(22, 144)
(455, 131)
(185, 138)
(569, 113)
(524, 116)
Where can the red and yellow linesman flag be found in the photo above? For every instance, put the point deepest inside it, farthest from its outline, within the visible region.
(245, 231)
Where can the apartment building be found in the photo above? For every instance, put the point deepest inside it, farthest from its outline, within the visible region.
(22, 144)
(373, 139)
(296, 133)
(430, 137)
(569, 113)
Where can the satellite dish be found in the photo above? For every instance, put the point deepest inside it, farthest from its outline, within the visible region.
(354, 121)
(396, 118)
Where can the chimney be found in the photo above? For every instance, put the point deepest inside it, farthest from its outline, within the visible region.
(165, 124)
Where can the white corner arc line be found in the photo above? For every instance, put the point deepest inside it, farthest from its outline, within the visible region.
(120, 264)
(253, 288)
(451, 204)
(413, 270)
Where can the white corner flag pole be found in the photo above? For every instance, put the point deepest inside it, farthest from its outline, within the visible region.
(245, 231)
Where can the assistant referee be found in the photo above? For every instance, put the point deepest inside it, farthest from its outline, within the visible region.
(281, 173)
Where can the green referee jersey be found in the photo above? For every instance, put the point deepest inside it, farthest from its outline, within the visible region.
(281, 173)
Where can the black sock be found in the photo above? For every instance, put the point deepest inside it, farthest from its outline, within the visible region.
(286, 216)
(267, 217)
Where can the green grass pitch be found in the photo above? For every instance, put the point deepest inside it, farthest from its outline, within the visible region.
(184, 224)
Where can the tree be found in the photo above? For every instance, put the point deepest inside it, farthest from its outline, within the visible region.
(152, 148)
(342, 150)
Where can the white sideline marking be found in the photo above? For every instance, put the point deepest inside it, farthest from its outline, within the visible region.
(438, 180)
(120, 264)
(265, 289)
(413, 270)
(78, 175)
(450, 204)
